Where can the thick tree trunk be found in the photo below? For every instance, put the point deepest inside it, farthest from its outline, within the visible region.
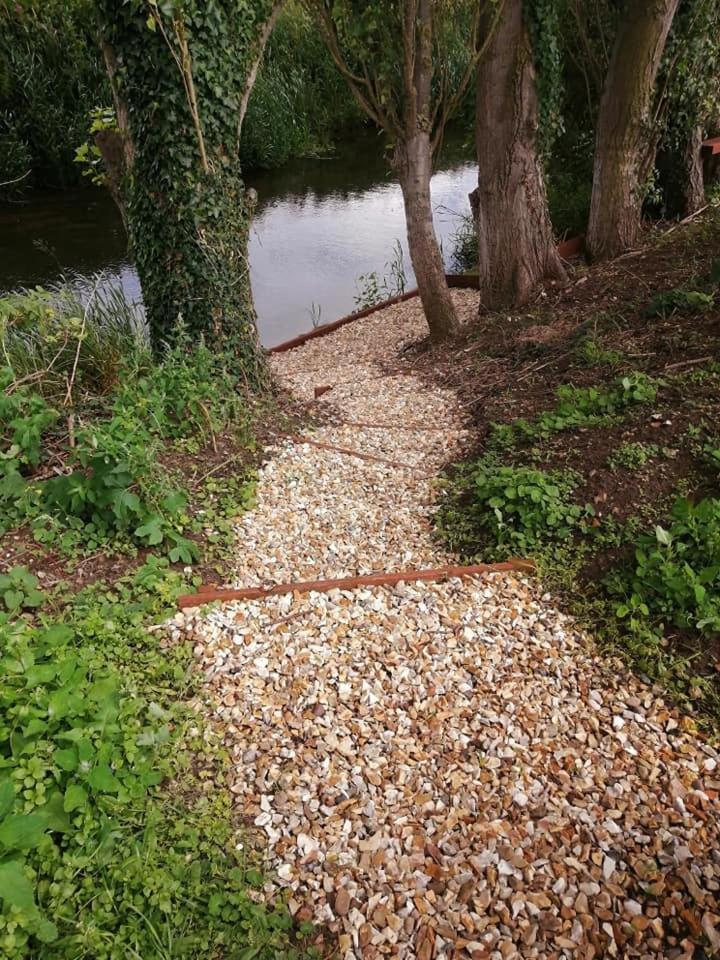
(187, 211)
(517, 248)
(622, 128)
(413, 162)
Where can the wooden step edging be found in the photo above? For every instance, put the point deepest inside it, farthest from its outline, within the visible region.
(209, 594)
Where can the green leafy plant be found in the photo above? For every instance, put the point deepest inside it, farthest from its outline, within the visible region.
(19, 590)
(632, 456)
(593, 354)
(676, 576)
(24, 418)
(584, 407)
(680, 300)
(97, 857)
(373, 289)
(508, 510)
(118, 486)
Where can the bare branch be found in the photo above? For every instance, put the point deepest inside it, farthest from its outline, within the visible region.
(451, 105)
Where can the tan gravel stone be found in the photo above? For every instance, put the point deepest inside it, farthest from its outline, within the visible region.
(441, 769)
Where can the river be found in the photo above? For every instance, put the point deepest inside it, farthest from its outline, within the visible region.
(319, 225)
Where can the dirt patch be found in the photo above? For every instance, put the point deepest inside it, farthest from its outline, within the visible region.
(223, 460)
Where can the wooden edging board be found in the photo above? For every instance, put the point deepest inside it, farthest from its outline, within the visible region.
(211, 594)
(463, 281)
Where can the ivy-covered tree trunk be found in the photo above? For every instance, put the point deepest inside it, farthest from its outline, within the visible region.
(623, 126)
(413, 164)
(517, 248)
(180, 79)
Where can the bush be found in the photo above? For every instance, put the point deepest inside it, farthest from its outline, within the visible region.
(94, 368)
(676, 576)
(51, 76)
(98, 859)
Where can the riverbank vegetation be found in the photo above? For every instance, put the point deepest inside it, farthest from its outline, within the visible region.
(599, 411)
(52, 79)
(120, 476)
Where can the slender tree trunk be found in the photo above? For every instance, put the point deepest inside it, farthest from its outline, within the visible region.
(517, 248)
(694, 178)
(413, 163)
(622, 128)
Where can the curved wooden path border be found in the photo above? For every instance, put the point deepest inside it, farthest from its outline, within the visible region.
(459, 281)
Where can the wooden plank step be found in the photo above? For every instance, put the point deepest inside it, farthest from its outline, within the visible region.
(212, 594)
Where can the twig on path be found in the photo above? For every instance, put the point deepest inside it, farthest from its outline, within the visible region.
(687, 363)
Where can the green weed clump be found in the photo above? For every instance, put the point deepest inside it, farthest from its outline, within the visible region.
(117, 836)
(82, 389)
(579, 407)
(505, 510)
(633, 456)
(675, 578)
(680, 300)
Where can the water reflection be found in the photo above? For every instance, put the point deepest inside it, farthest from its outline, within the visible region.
(319, 224)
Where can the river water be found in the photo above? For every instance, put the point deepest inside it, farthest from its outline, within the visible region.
(318, 226)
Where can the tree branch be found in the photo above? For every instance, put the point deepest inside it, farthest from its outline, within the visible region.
(262, 42)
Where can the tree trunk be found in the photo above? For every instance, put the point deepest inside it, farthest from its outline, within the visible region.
(413, 162)
(694, 179)
(622, 128)
(517, 248)
(187, 212)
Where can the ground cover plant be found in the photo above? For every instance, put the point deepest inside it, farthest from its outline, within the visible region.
(601, 457)
(120, 476)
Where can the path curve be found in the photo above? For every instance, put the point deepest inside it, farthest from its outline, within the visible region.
(441, 770)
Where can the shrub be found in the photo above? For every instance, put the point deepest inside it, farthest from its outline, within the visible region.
(98, 859)
(51, 75)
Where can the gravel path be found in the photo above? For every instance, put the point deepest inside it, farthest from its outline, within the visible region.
(442, 770)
